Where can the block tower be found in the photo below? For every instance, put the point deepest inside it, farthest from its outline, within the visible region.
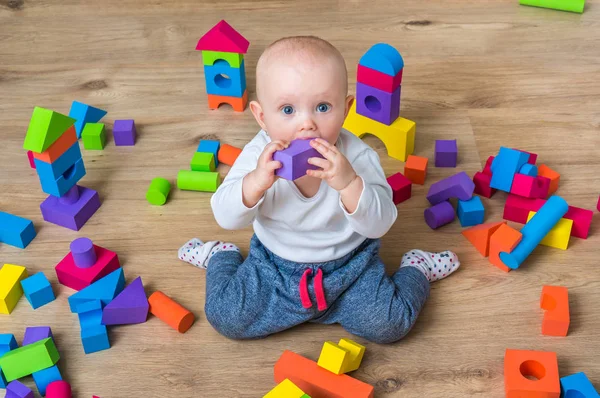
(223, 50)
(376, 109)
(52, 138)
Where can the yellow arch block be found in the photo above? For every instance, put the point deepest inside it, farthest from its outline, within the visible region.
(10, 286)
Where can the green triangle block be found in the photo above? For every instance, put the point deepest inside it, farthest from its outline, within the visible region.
(45, 127)
(104, 289)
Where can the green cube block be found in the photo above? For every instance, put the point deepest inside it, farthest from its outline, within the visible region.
(29, 359)
(203, 161)
(233, 59)
(93, 136)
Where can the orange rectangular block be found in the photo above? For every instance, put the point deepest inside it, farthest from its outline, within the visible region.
(531, 374)
(555, 300)
(554, 177)
(228, 154)
(316, 381)
(60, 146)
(415, 169)
(480, 235)
(238, 103)
(505, 239)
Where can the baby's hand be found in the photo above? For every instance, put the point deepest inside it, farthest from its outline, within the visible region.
(263, 177)
(337, 171)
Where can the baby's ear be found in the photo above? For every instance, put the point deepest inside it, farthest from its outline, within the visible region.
(258, 114)
(349, 101)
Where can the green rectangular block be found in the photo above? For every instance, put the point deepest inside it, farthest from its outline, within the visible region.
(204, 181)
(94, 136)
(233, 59)
(562, 5)
(29, 359)
(203, 161)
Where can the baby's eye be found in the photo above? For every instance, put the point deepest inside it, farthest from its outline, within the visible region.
(288, 109)
(323, 107)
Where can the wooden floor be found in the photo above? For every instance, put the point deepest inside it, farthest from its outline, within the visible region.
(487, 73)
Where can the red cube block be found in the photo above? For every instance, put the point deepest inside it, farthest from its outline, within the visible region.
(401, 186)
(482, 184)
(77, 278)
(488, 166)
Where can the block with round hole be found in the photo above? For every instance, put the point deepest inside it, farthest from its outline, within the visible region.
(61, 175)
(377, 104)
(531, 374)
(222, 79)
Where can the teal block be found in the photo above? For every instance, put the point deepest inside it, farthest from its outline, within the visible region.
(470, 212)
(505, 165)
(38, 290)
(94, 339)
(83, 114)
(90, 314)
(44, 377)
(383, 58)
(210, 146)
(7, 343)
(577, 386)
(16, 231)
(61, 175)
(217, 84)
(104, 289)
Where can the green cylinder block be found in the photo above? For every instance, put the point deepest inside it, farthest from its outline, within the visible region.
(204, 181)
(158, 191)
(562, 5)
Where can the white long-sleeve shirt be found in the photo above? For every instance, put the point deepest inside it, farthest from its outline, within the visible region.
(308, 230)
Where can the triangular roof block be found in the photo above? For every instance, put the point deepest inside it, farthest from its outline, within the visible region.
(104, 289)
(383, 58)
(130, 306)
(222, 37)
(45, 127)
(84, 113)
(480, 235)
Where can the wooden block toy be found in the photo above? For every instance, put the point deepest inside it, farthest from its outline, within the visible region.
(222, 79)
(228, 154)
(90, 314)
(294, 159)
(105, 290)
(383, 58)
(170, 312)
(158, 191)
(529, 187)
(531, 374)
(223, 37)
(532, 157)
(487, 169)
(457, 186)
(554, 177)
(210, 146)
(28, 359)
(379, 80)
(10, 287)
(504, 167)
(480, 236)
(58, 177)
(376, 104)
(7, 343)
(203, 181)
(37, 290)
(356, 353)
(44, 377)
(124, 132)
(504, 239)
(399, 137)
(446, 153)
(582, 221)
(130, 306)
(482, 184)
(529, 169)
(415, 169)
(93, 136)
(560, 5)
(439, 215)
(234, 60)
(535, 230)
(84, 114)
(60, 146)
(237, 103)
(542, 185)
(316, 381)
(31, 158)
(203, 161)
(470, 212)
(16, 389)
(559, 235)
(334, 358)
(85, 264)
(94, 339)
(45, 127)
(555, 301)
(16, 231)
(401, 187)
(36, 333)
(578, 385)
(598, 205)
(286, 389)
(72, 210)
(58, 389)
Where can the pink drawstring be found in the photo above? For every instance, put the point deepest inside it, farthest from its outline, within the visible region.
(303, 287)
(319, 292)
(321, 301)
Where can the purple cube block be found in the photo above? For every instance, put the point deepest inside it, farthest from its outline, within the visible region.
(71, 215)
(294, 159)
(446, 153)
(438, 215)
(124, 132)
(16, 389)
(377, 104)
(36, 333)
(457, 186)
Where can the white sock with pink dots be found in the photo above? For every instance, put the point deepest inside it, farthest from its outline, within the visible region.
(434, 266)
(199, 253)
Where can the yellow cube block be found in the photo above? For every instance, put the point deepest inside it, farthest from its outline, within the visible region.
(357, 352)
(334, 358)
(559, 235)
(286, 389)
(10, 286)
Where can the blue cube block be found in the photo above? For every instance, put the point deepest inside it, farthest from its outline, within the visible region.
(470, 212)
(210, 146)
(578, 385)
(61, 175)
(7, 343)
(90, 314)
(505, 165)
(16, 231)
(222, 79)
(95, 338)
(38, 290)
(46, 376)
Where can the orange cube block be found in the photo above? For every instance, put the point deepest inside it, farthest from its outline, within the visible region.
(531, 374)
(228, 154)
(415, 169)
(554, 177)
(555, 300)
(238, 103)
(505, 239)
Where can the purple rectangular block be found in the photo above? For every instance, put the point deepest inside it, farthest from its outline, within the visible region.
(16, 389)
(446, 153)
(124, 132)
(377, 104)
(457, 186)
(294, 159)
(36, 333)
(72, 216)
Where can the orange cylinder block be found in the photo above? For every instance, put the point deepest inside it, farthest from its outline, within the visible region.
(170, 312)
(228, 154)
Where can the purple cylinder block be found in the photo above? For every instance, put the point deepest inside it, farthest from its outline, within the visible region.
(440, 214)
(84, 254)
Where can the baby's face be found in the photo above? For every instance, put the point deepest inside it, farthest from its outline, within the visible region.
(301, 99)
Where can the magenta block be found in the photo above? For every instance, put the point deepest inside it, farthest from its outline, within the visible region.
(58, 389)
(457, 186)
(124, 132)
(72, 216)
(439, 215)
(130, 306)
(36, 333)
(31, 159)
(16, 389)
(294, 159)
(84, 254)
(598, 205)
(446, 153)
(401, 187)
(377, 104)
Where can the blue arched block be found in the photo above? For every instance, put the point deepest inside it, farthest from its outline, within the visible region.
(383, 58)
(218, 85)
(530, 170)
(61, 175)
(578, 382)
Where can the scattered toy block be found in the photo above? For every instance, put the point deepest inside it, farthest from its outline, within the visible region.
(482, 183)
(45, 127)
(379, 80)
(94, 136)
(286, 389)
(316, 381)
(223, 37)
(504, 239)
(446, 153)
(72, 215)
(237, 103)
(84, 114)
(529, 169)
(60, 146)
(542, 185)
(10, 287)
(203, 161)
(554, 177)
(94, 339)
(480, 236)
(356, 353)
(16, 231)
(83, 252)
(38, 290)
(532, 157)
(530, 187)
(43, 378)
(170, 312)
(7, 343)
(415, 169)
(124, 132)
(555, 300)
(383, 58)
(158, 191)
(561, 5)
(234, 60)
(228, 154)
(470, 212)
(294, 159)
(222, 79)
(90, 314)
(31, 159)
(36, 333)
(582, 221)
(487, 169)
(210, 146)
(203, 181)
(401, 187)
(105, 290)
(334, 358)
(130, 306)
(598, 205)
(559, 235)
(59, 177)
(505, 165)
(16, 389)
(28, 359)
(578, 385)
(58, 389)
(457, 186)
(439, 215)
(376, 104)
(531, 374)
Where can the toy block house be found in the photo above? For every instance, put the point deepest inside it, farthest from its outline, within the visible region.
(223, 50)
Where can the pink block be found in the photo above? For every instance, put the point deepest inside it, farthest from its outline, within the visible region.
(530, 187)
(532, 156)
(598, 205)
(401, 187)
(482, 184)
(487, 169)
(78, 278)
(222, 37)
(58, 389)
(381, 81)
(542, 187)
(582, 220)
(31, 161)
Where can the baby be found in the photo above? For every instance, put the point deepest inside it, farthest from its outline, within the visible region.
(314, 256)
